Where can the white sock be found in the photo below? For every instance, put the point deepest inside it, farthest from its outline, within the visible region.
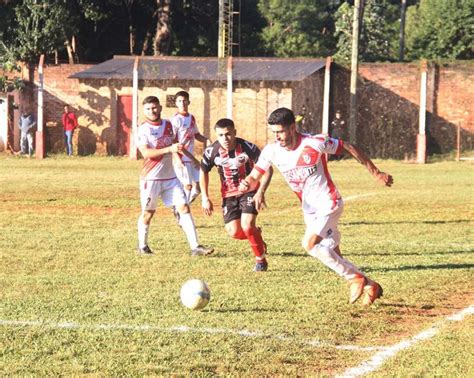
(142, 232)
(187, 223)
(333, 261)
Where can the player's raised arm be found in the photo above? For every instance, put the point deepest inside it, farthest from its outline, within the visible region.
(362, 158)
(207, 206)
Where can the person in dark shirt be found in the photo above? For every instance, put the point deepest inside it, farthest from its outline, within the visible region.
(234, 158)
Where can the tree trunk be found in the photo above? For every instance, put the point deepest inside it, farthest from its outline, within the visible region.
(162, 36)
(401, 51)
(70, 52)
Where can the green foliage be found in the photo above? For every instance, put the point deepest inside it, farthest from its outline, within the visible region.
(378, 33)
(441, 29)
(296, 28)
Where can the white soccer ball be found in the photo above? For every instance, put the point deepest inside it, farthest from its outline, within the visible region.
(195, 294)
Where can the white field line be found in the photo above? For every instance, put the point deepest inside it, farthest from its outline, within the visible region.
(182, 329)
(357, 196)
(379, 358)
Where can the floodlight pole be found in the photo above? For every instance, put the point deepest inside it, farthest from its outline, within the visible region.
(354, 72)
(421, 137)
(327, 85)
(133, 146)
(229, 87)
(39, 150)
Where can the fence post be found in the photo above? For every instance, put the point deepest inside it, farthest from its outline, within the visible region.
(421, 137)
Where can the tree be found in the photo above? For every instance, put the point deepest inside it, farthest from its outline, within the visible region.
(440, 29)
(297, 28)
(379, 31)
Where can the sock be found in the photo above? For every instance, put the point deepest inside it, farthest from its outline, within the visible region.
(194, 194)
(187, 224)
(240, 235)
(254, 237)
(333, 261)
(187, 193)
(142, 232)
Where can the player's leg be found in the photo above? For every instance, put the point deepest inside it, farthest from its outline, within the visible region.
(193, 173)
(321, 240)
(148, 196)
(254, 236)
(231, 213)
(30, 139)
(173, 195)
(253, 233)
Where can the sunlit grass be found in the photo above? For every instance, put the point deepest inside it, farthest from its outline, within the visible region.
(68, 238)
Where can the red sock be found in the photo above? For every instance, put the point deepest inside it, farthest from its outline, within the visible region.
(240, 235)
(254, 236)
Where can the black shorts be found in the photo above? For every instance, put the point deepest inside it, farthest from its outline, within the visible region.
(233, 207)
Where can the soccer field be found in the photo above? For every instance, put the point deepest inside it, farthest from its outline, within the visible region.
(76, 299)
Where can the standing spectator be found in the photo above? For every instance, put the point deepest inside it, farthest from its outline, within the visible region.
(69, 124)
(337, 130)
(27, 125)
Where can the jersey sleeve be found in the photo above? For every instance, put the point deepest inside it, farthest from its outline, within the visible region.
(265, 159)
(141, 139)
(207, 161)
(327, 145)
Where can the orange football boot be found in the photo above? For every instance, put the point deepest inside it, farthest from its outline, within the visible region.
(356, 287)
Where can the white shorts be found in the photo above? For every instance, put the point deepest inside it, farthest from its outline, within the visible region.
(170, 191)
(325, 225)
(188, 174)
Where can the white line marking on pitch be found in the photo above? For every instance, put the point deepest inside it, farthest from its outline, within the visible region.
(183, 329)
(351, 198)
(379, 358)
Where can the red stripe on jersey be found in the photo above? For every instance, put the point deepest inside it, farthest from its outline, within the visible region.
(331, 186)
(260, 170)
(340, 147)
(242, 170)
(149, 164)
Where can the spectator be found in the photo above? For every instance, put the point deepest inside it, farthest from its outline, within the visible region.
(69, 124)
(27, 126)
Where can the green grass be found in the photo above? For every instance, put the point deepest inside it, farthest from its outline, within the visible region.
(67, 249)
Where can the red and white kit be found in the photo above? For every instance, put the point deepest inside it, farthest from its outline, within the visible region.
(158, 177)
(305, 170)
(187, 129)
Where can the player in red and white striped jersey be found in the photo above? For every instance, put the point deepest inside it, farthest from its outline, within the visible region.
(155, 140)
(187, 130)
(302, 161)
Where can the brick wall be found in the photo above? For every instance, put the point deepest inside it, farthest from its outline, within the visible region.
(388, 106)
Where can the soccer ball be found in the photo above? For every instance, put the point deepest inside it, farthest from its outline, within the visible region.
(195, 294)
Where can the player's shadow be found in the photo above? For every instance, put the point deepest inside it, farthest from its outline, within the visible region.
(419, 267)
(370, 223)
(409, 253)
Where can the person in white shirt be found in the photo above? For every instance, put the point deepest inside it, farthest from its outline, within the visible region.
(187, 131)
(302, 160)
(156, 142)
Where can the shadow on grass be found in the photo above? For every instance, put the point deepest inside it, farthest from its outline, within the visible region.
(420, 267)
(368, 223)
(410, 253)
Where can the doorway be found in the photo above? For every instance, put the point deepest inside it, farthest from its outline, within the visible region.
(124, 124)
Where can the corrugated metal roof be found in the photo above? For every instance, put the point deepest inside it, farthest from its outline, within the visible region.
(190, 68)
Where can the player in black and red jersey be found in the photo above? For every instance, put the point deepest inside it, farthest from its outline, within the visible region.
(234, 158)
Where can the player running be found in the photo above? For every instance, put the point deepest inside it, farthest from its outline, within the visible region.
(234, 158)
(158, 179)
(302, 161)
(187, 130)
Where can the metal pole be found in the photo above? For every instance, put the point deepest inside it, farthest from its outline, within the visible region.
(39, 133)
(133, 145)
(327, 84)
(229, 87)
(354, 73)
(421, 138)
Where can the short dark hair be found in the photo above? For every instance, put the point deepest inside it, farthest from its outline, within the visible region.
(181, 94)
(224, 123)
(151, 100)
(281, 116)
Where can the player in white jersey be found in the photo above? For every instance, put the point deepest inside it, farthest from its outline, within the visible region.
(188, 132)
(302, 161)
(155, 140)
